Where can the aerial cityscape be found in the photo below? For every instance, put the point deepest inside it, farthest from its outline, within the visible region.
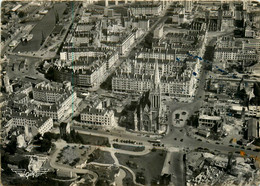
(130, 93)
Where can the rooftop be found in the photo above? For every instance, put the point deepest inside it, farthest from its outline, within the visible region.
(207, 117)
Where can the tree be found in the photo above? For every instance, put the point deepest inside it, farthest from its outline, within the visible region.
(11, 146)
(37, 137)
(193, 121)
(148, 41)
(21, 14)
(23, 164)
(49, 136)
(45, 145)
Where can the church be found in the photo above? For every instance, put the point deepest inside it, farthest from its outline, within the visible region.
(148, 113)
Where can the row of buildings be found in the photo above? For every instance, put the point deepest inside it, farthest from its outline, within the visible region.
(232, 49)
(94, 45)
(146, 8)
(90, 67)
(48, 103)
(176, 78)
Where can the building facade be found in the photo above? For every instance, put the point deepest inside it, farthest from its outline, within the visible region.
(207, 122)
(146, 9)
(43, 124)
(176, 78)
(95, 116)
(60, 109)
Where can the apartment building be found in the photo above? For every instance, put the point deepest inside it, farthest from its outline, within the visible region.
(136, 83)
(96, 116)
(161, 54)
(88, 53)
(21, 98)
(42, 124)
(176, 78)
(144, 8)
(59, 110)
(47, 93)
(235, 54)
(158, 32)
(251, 44)
(68, 52)
(141, 23)
(91, 77)
(126, 43)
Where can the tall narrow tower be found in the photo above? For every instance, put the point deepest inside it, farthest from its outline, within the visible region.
(155, 94)
(155, 99)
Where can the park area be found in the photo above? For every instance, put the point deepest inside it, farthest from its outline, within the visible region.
(100, 156)
(74, 155)
(147, 168)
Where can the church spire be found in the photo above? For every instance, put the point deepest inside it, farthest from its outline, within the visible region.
(156, 73)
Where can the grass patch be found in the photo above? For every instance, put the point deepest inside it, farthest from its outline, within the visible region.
(149, 166)
(128, 179)
(95, 140)
(100, 156)
(129, 147)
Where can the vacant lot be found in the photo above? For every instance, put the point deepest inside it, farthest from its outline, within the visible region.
(129, 147)
(149, 165)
